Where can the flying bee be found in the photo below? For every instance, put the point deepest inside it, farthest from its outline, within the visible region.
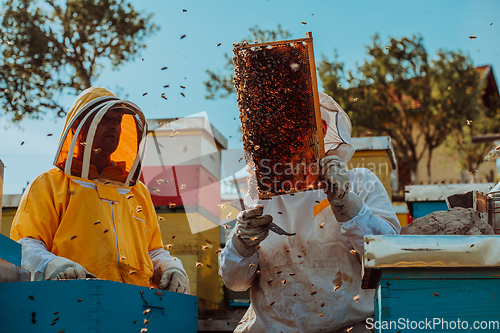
(198, 264)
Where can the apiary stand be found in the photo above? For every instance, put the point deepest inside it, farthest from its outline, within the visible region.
(79, 306)
(442, 283)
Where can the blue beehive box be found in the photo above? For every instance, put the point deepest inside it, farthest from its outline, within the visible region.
(10, 250)
(434, 283)
(78, 306)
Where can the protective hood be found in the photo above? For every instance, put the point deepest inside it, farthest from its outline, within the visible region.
(338, 134)
(76, 145)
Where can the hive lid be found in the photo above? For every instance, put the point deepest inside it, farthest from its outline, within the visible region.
(404, 251)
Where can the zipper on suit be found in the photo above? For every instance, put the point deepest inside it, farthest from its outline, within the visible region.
(116, 236)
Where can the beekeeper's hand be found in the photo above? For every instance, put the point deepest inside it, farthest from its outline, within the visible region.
(251, 229)
(335, 172)
(174, 277)
(62, 269)
(344, 203)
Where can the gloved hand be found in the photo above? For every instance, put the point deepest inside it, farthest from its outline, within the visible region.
(344, 203)
(61, 268)
(335, 172)
(251, 229)
(174, 277)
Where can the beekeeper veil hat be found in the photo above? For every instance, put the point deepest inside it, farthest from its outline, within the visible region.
(338, 134)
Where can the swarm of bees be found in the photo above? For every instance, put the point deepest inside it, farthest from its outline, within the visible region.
(278, 122)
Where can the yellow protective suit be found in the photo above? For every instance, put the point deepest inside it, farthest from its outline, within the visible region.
(105, 222)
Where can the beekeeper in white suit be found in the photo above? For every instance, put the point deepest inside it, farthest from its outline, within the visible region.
(311, 282)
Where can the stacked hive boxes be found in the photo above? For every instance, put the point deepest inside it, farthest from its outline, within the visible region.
(182, 170)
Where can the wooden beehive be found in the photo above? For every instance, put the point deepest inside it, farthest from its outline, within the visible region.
(280, 115)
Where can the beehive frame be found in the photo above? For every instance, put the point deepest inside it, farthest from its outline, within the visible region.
(280, 114)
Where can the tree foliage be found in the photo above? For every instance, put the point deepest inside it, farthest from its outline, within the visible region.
(48, 47)
(400, 92)
(221, 85)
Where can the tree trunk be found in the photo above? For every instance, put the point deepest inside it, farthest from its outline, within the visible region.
(429, 159)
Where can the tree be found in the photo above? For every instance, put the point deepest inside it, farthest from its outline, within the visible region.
(221, 85)
(398, 91)
(47, 48)
(471, 155)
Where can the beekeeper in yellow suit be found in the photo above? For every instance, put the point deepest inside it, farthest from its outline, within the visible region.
(90, 216)
(311, 282)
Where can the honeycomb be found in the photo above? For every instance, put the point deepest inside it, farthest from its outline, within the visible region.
(276, 101)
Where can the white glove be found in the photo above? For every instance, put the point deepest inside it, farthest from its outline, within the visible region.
(344, 203)
(251, 229)
(335, 172)
(61, 268)
(174, 277)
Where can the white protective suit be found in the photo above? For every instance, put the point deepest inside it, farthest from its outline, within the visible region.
(310, 282)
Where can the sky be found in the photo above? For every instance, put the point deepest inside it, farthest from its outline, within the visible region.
(344, 26)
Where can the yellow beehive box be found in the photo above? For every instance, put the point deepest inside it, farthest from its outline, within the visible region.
(376, 154)
(197, 251)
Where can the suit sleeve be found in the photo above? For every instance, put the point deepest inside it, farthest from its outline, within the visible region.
(377, 216)
(236, 271)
